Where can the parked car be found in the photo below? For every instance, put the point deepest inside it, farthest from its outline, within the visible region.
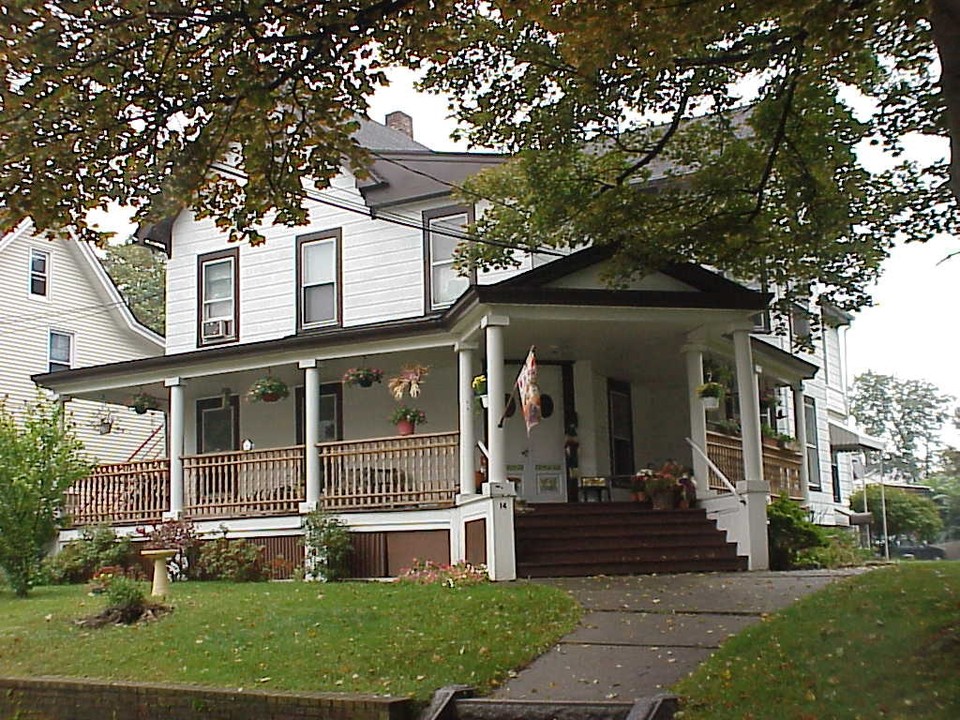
(920, 551)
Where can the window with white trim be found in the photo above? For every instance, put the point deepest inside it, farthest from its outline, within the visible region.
(319, 280)
(60, 351)
(445, 229)
(218, 297)
(812, 451)
(39, 272)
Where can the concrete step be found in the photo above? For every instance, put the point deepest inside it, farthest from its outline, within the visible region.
(646, 567)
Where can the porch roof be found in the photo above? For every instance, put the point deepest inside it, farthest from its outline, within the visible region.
(777, 361)
(708, 291)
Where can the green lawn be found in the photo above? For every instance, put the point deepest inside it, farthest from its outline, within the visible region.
(398, 639)
(883, 645)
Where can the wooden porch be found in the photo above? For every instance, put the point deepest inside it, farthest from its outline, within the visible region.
(389, 473)
(371, 474)
(781, 465)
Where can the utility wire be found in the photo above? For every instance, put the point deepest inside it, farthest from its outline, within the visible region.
(363, 209)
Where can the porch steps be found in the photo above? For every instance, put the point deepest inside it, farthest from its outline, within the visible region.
(619, 539)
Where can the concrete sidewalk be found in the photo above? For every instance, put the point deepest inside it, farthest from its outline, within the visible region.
(641, 634)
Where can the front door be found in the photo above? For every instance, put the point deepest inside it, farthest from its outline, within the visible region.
(218, 421)
(538, 460)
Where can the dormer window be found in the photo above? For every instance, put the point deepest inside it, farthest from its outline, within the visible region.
(217, 281)
(444, 229)
(318, 280)
(39, 272)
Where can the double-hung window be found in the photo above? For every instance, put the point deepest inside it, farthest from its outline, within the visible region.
(39, 272)
(60, 353)
(813, 444)
(444, 229)
(218, 307)
(318, 284)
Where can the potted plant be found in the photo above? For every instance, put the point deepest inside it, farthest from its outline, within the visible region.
(479, 386)
(362, 376)
(406, 419)
(268, 389)
(664, 486)
(662, 491)
(638, 486)
(711, 393)
(142, 402)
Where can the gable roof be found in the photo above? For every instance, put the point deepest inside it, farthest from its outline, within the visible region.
(94, 270)
(709, 289)
(402, 177)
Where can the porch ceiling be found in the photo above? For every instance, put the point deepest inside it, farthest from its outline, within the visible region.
(639, 348)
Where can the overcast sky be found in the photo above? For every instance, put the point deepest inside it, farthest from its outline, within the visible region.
(912, 329)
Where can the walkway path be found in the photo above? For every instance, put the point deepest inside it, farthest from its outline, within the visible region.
(641, 634)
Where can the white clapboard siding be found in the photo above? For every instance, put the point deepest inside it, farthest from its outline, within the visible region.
(382, 264)
(77, 302)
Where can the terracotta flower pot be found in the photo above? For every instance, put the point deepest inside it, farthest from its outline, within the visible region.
(269, 397)
(405, 427)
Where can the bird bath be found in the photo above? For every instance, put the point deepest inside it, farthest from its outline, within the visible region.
(161, 581)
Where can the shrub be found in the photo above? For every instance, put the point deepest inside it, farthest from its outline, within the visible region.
(124, 597)
(233, 560)
(179, 535)
(79, 559)
(39, 459)
(428, 572)
(789, 531)
(327, 547)
(841, 549)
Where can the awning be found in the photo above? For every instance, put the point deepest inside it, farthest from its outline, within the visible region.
(844, 438)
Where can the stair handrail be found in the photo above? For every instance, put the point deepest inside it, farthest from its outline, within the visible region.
(151, 437)
(719, 473)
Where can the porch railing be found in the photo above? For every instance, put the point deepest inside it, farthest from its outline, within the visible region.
(254, 482)
(781, 466)
(393, 472)
(130, 492)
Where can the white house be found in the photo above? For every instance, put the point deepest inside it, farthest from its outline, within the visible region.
(369, 282)
(62, 311)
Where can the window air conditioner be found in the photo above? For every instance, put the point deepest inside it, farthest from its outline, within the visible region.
(215, 329)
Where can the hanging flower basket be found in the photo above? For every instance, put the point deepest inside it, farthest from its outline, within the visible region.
(362, 377)
(268, 389)
(711, 393)
(142, 402)
(479, 385)
(408, 381)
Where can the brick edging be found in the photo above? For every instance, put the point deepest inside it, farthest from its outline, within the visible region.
(58, 698)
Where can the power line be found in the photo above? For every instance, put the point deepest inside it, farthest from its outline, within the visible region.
(363, 209)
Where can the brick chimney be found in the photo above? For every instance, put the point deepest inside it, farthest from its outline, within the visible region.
(401, 122)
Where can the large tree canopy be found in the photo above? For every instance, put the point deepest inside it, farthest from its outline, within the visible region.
(908, 415)
(121, 100)
(140, 275)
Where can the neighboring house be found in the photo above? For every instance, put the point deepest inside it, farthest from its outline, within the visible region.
(61, 312)
(369, 282)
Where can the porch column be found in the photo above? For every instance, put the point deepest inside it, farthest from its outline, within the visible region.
(468, 435)
(752, 490)
(748, 393)
(175, 384)
(496, 386)
(311, 434)
(800, 425)
(698, 419)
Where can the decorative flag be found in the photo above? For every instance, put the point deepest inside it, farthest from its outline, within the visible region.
(529, 390)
